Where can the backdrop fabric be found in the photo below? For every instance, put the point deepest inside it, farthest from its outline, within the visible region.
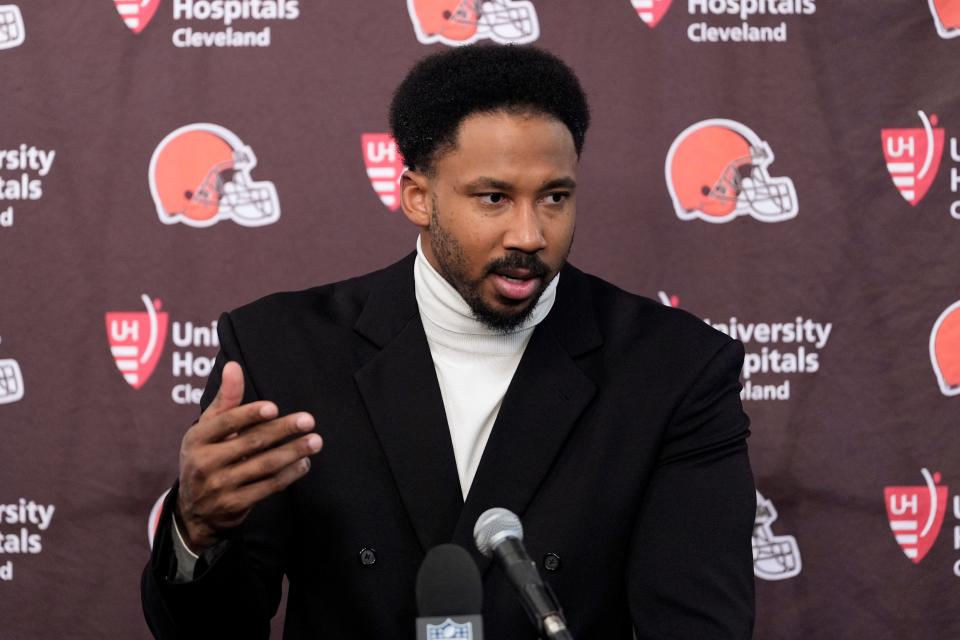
(787, 170)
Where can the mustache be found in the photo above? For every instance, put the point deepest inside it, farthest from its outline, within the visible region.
(530, 262)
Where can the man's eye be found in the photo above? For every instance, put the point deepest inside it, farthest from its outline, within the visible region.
(491, 198)
(558, 197)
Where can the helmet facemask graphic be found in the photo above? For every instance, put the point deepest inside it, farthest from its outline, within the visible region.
(764, 197)
(717, 170)
(774, 557)
(510, 21)
(460, 22)
(249, 202)
(12, 31)
(200, 174)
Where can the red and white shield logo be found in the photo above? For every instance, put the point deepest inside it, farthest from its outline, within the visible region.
(137, 14)
(916, 514)
(136, 340)
(384, 166)
(913, 157)
(651, 11)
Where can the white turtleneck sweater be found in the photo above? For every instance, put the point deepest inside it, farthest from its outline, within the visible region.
(474, 363)
(474, 366)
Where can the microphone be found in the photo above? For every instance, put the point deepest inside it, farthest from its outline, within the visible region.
(498, 533)
(449, 595)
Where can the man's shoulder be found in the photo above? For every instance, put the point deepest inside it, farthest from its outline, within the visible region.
(626, 318)
(338, 302)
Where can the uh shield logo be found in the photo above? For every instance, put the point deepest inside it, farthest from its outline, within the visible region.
(12, 30)
(945, 350)
(384, 167)
(137, 14)
(136, 339)
(916, 514)
(651, 11)
(913, 157)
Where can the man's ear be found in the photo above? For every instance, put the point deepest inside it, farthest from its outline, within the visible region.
(415, 197)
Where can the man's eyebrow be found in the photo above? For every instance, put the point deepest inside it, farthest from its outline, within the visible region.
(500, 185)
(560, 183)
(488, 183)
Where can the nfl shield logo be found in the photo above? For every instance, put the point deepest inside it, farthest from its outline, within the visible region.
(450, 629)
(136, 340)
(651, 11)
(384, 166)
(916, 515)
(913, 157)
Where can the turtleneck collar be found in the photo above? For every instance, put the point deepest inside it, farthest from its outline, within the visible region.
(449, 320)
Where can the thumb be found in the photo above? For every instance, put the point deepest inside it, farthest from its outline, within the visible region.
(230, 393)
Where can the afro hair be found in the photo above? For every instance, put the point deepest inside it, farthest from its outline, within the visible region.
(444, 88)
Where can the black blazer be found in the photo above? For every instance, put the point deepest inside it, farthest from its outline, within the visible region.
(620, 443)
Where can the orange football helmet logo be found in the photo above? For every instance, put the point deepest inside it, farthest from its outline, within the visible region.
(945, 350)
(200, 174)
(460, 22)
(946, 16)
(717, 170)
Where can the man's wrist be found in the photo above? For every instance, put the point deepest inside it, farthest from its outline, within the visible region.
(180, 539)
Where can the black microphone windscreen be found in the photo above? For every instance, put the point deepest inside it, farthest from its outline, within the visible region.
(448, 583)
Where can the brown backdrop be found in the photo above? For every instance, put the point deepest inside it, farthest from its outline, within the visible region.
(840, 446)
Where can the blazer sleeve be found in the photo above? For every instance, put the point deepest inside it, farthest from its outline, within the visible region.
(237, 593)
(690, 573)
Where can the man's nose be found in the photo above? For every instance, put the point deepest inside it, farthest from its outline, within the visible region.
(525, 232)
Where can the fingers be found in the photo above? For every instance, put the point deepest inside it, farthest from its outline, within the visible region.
(272, 461)
(257, 491)
(218, 427)
(230, 393)
(215, 496)
(253, 439)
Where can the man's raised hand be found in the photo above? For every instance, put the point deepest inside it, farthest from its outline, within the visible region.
(235, 456)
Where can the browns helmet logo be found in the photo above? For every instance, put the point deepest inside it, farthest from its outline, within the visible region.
(136, 14)
(945, 350)
(460, 22)
(12, 30)
(651, 11)
(11, 381)
(946, 16)
(717, 170)
(200, 174)
(775, 557)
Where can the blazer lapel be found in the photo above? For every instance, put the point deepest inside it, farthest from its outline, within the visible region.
(402, 396)
(548, 393)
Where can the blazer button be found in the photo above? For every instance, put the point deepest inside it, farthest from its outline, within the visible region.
(551, 562)
(368, 556)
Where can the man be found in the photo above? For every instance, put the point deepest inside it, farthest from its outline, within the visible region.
(481, 371)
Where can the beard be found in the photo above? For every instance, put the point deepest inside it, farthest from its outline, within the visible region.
(452, 264)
